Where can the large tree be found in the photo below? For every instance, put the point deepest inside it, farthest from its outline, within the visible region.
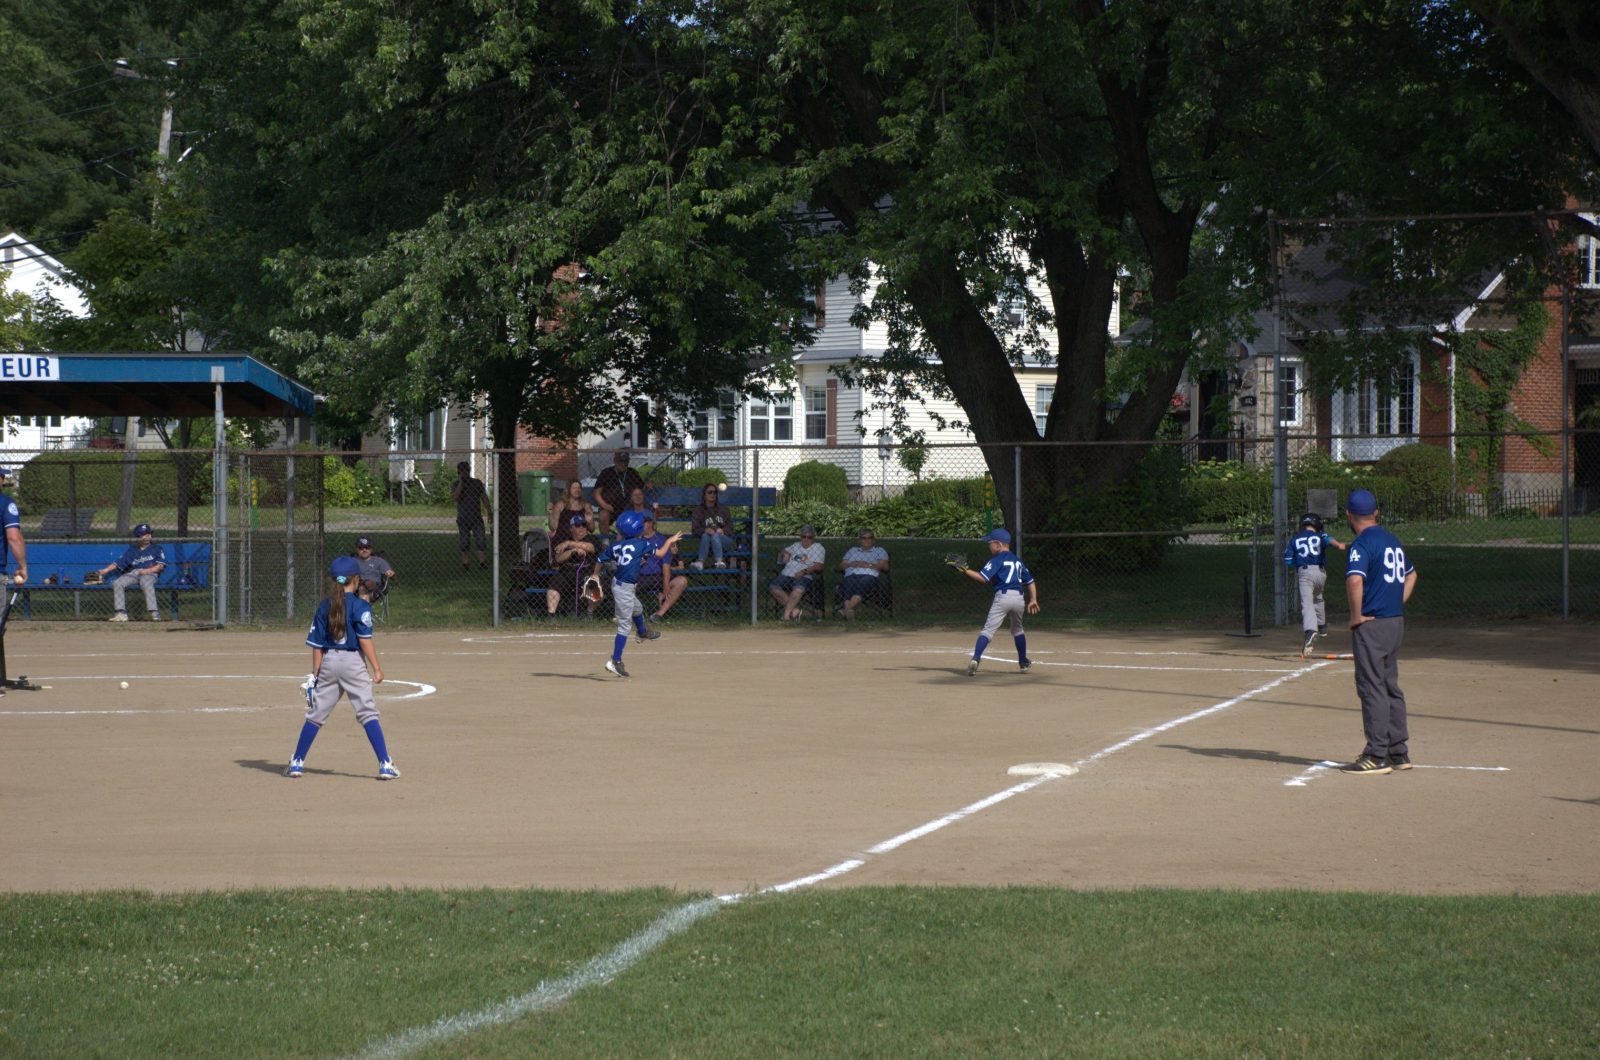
(1558, 41)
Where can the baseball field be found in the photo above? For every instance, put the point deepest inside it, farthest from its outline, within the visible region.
(799, 841)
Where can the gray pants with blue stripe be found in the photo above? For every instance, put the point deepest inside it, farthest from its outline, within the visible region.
(1006, 605)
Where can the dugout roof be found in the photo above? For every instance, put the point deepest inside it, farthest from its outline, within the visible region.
(166, 385)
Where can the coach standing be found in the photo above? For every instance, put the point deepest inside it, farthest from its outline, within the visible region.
(472, 506)
(1378, 581)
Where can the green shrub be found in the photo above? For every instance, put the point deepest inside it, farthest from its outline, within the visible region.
(816, 481)
(697, 477)
(1227, 492)
(967, 492)
(894, 517)
(350, 486)
(1427, 481)
(94, 479)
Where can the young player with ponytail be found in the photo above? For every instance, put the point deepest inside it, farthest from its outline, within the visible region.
(341, 652)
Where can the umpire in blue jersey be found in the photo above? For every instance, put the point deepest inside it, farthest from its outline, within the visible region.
(1378, 580)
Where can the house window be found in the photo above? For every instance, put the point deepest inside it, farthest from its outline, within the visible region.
(423, 435)
(816, 311)
(772, 422)
(1369, 421)
(712, 426)
(1288, 395)
(816, 413)
(1042, 397)
(1588, 261)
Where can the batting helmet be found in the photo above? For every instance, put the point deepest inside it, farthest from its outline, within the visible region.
(1313, 520)
(631, 524)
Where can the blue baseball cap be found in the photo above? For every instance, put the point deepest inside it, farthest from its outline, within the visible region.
(1000, 534)
(5, 472)
(141, 530)
(1361, 502)
(344, 567)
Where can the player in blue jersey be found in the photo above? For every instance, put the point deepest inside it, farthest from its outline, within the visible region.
(1010, 580)
(1307, 555)
(341, 652)
(13, 545)
(627, 555)
(1378, 580)
(142, 564)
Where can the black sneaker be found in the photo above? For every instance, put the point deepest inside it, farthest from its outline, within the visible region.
(1025, 665)
(650, 634)
(1399, 761)
(1367, 764)
(614, 666)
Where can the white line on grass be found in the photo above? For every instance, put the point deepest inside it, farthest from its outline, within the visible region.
(633, 949)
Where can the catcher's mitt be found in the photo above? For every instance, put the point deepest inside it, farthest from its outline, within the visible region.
(93, 577)
(593, 589)
(956, 560)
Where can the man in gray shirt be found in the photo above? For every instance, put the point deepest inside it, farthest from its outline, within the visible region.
(801, 561)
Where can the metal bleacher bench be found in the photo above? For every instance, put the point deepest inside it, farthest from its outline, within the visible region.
(718, 589)
(55, 567)
(66, 522)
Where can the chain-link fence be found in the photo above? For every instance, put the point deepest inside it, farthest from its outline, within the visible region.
(1169, 538)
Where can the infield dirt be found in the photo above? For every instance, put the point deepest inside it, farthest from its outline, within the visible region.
(740, 758)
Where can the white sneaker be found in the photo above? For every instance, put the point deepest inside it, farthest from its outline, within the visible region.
(120, 616)
(155, 616)
(698, 565)
(722, 564)
(972, 667)
(387, 771)
(297, 767)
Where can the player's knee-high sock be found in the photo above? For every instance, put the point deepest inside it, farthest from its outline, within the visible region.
(638, 622)
(622, 642)
(1022, 647)
(308, 732)
(983, 642)
(375, 737)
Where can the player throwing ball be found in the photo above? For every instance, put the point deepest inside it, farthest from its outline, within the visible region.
(341, 651)
(627, 554)
(1010, 580)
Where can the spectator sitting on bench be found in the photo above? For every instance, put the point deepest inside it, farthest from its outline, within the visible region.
(376, 573)
(801, 561)
(862, 566)
(567, 505)
(142, 563)
(570, 548)
(711, 520)
(655, 573)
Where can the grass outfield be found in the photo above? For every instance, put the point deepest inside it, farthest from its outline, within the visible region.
(859, 972)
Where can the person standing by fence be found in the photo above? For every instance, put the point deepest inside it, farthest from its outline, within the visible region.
(14, 547)
(472, 507)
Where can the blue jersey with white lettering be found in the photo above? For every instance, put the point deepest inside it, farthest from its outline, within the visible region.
(1379, 560)
(357, 625)
(137, 558)
(1006, 573)
(1308, 548)
(628, 556)
(9, 517)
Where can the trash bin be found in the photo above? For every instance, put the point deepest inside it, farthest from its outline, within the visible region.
(533, 490)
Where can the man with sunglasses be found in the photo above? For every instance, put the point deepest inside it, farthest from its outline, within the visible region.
(862, 567)
(801, 561)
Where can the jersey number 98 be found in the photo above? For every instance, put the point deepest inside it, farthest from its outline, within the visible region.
(1394, 565)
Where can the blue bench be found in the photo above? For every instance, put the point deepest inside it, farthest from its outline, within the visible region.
(57, 568)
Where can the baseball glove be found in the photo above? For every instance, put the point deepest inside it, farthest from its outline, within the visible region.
(593, 589)
(93, 577)
(956, 560)
(309, 687)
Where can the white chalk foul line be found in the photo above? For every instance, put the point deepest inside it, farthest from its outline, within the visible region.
(631, 950)
(1300, 780)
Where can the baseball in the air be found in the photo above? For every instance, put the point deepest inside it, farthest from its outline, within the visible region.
(123, 685)
(721, 486)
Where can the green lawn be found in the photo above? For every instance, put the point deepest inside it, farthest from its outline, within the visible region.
(861, 972)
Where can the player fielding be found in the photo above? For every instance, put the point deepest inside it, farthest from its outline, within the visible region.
(1009, 579)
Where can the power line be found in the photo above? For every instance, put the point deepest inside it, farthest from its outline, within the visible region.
(67, 169)
(71, 91)
(65, 114)
(57, 77)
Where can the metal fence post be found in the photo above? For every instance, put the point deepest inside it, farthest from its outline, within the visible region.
(1566, 450)
(288, 536)
(755, 533)
(219, 501)
(494, 539)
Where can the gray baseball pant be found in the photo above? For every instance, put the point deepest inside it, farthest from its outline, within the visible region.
(147, 582)
(1376, 645)
(626, 604)
(342, 673)
(1006, 605)
(1313, 608)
